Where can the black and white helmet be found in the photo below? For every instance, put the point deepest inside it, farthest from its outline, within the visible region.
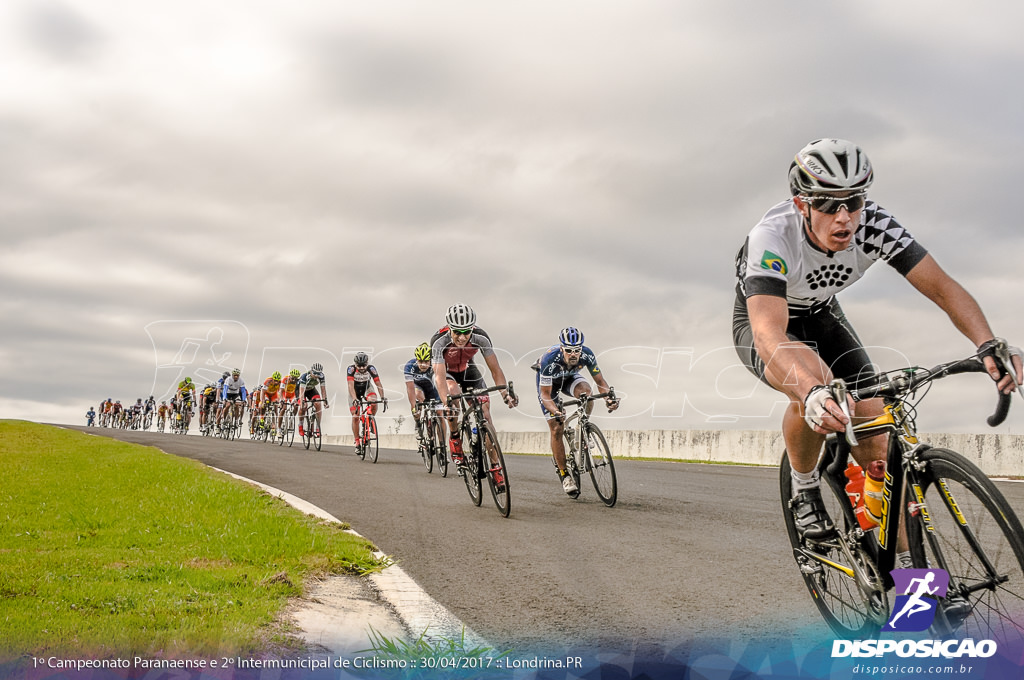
(361, 360)
(317, 368)
(829, 165)
(460, 317)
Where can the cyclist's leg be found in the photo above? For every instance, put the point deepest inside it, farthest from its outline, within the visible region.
(454, 434)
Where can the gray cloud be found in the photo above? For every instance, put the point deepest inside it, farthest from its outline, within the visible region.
(334, 179)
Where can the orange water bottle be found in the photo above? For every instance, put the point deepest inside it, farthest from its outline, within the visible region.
(855, 491)
(873, 490)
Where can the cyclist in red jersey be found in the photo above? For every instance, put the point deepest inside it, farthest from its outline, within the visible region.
(452, 350)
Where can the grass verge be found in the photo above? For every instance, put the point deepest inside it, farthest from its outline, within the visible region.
(109, 548)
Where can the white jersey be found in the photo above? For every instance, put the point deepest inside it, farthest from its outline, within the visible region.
(779, 259)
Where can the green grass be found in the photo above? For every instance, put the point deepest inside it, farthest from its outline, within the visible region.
(109, 548)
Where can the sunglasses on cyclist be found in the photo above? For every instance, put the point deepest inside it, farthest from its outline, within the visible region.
(466, 331)
(573, 350)
(830, 205)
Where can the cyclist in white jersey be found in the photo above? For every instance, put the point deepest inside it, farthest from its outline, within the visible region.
(791, 333)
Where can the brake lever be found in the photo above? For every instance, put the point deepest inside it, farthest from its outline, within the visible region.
(1002, 355)
(839, 393)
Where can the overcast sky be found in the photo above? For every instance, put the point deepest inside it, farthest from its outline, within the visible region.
(192, 186)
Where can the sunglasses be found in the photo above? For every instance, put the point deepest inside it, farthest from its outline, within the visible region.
(573, 350)
(830, 205)
(467, 331)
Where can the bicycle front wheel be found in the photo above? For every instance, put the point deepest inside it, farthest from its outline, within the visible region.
(426, 445)
(977, 538)
(372, 441)
(849, 611)
(439, 445)
(470, 473)
(602, 469)
(497, 473)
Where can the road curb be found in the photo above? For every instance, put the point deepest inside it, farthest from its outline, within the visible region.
(417, 611)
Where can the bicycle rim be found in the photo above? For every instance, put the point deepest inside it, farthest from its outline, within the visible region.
(426, 446)
(602, 469)
(317, 435)
(972, 525)
(849, 612)
(497, 473)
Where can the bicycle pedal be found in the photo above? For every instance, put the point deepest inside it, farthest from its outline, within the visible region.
(810, 568)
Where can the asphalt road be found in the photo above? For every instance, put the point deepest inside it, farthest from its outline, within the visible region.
(689, 552)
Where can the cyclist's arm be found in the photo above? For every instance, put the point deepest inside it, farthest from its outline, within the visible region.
(603, 386)
(351, 390)
(791, 367)
(963, 310)
(441, 381)
(496, 373)
(410, 390)
(548, 399)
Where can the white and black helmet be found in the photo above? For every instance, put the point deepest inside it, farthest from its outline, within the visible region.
(460, 317)
(361, 359)
(829, 165)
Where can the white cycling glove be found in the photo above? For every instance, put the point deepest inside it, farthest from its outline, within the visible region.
(814, 405)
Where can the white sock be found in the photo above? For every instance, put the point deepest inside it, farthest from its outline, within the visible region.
(805, 480)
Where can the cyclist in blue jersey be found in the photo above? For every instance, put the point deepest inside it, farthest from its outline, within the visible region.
(419, 381)
(559, 372)
(90, 416)
(313, 386)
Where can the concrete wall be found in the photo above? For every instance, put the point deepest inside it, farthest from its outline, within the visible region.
(997, 455)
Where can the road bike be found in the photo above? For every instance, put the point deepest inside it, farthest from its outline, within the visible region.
(261, 422)
(481, 454)
(183, 418)
(955, 519)
(286, 433)
(208, 418)
(311, 433)
(587, 450)
(231, 422)
(161, 422)
(433, 442)
(147, 421)
(367, 444)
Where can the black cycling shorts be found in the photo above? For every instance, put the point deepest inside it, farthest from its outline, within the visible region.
(824, 329)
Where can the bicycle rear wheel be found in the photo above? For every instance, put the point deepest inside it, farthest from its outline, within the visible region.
(497, 473)
(977, 538)
(602, 469)
(848, 610)
(372, 444)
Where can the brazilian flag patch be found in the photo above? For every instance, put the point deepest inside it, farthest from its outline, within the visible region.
(773, 262)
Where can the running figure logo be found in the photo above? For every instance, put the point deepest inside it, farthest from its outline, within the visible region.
(921, 589)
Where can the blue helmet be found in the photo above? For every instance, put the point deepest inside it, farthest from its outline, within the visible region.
(570, 337)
